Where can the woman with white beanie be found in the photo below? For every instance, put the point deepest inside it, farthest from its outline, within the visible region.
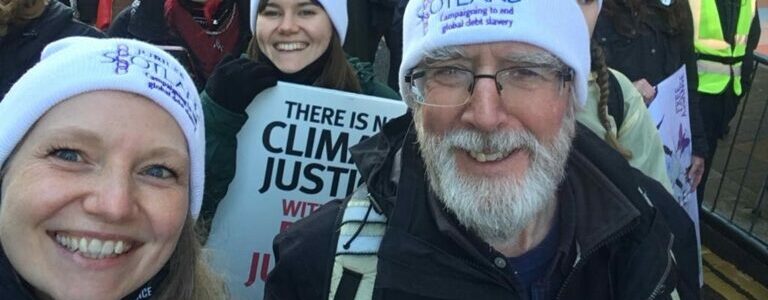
(298, 41)
(101, 177)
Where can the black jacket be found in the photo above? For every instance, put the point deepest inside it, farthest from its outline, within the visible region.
(144, 20)
(613, 244)
(20, 49)
(13, 287)
(652, 50)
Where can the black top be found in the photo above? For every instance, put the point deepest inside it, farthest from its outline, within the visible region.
(20, 49)
(146, 22)
(12, 286)
(653, 51)
(612, 245)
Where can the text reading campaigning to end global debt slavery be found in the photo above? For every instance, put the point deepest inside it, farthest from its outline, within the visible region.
(449, 15)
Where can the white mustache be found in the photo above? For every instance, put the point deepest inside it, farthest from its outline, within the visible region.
(501, 142)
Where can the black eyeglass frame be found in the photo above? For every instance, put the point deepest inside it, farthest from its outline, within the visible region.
(566, 74)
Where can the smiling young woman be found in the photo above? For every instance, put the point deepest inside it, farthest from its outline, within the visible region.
(297, 41)
(98, 202)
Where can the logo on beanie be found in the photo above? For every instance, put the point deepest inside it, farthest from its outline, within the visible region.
(162, 75)
(456, 14)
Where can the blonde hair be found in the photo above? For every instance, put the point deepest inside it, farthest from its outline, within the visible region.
(15, 13)
(189, 276)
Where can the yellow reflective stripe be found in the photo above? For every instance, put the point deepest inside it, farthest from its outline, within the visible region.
(717, 45)
(746, 15)
(740, 39)
(706, 66)
(708, 34)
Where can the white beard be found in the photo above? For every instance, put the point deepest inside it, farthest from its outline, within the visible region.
(496, 209)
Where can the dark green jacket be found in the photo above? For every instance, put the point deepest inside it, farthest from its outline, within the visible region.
(222, 126)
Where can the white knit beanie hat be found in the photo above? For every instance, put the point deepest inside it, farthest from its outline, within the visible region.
(336, 10)
(557, 26)
(77, 65)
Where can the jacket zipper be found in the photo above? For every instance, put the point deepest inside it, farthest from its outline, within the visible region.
(579, 258)
(660, 285)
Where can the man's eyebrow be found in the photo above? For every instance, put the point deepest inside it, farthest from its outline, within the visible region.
(536, 58)
(445, 54)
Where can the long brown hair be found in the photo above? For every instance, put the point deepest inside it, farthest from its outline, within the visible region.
(627, 15)
(16, 13)
(601, 71)
(337, 73)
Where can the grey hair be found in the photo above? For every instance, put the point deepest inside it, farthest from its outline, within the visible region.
(457, 52)
(443, 54)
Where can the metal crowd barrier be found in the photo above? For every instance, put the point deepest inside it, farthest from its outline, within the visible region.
(738, 209)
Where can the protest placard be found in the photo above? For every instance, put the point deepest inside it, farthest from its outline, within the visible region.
(669, 111)
(292, 156)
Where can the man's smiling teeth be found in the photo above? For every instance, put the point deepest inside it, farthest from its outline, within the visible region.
(290, 46)
(93, 248)
(485, 157)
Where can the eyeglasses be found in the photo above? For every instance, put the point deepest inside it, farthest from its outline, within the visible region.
(453, 86)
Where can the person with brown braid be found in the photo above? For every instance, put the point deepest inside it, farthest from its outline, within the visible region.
(630, 129)
(648, 41)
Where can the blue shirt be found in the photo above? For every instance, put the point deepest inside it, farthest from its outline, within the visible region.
(531, 267)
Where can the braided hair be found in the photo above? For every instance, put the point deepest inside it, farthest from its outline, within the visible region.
(601, 71)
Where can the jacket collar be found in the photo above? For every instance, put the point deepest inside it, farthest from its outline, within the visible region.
(378, 156)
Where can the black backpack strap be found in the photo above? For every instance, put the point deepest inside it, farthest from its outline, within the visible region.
(347, 289)
(615, 101)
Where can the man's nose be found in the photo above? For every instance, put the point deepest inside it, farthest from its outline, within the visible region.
(485, 110)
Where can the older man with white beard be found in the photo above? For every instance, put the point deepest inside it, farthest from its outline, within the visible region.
(487, 188)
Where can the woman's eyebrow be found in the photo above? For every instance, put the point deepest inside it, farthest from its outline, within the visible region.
(80, 134)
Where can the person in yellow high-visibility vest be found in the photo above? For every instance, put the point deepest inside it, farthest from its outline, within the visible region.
(725, 34)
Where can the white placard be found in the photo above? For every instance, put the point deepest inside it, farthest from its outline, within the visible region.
(669, 111)
(292, 156)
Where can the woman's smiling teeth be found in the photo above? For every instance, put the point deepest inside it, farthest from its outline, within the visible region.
(293, 46)
(93, 248)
